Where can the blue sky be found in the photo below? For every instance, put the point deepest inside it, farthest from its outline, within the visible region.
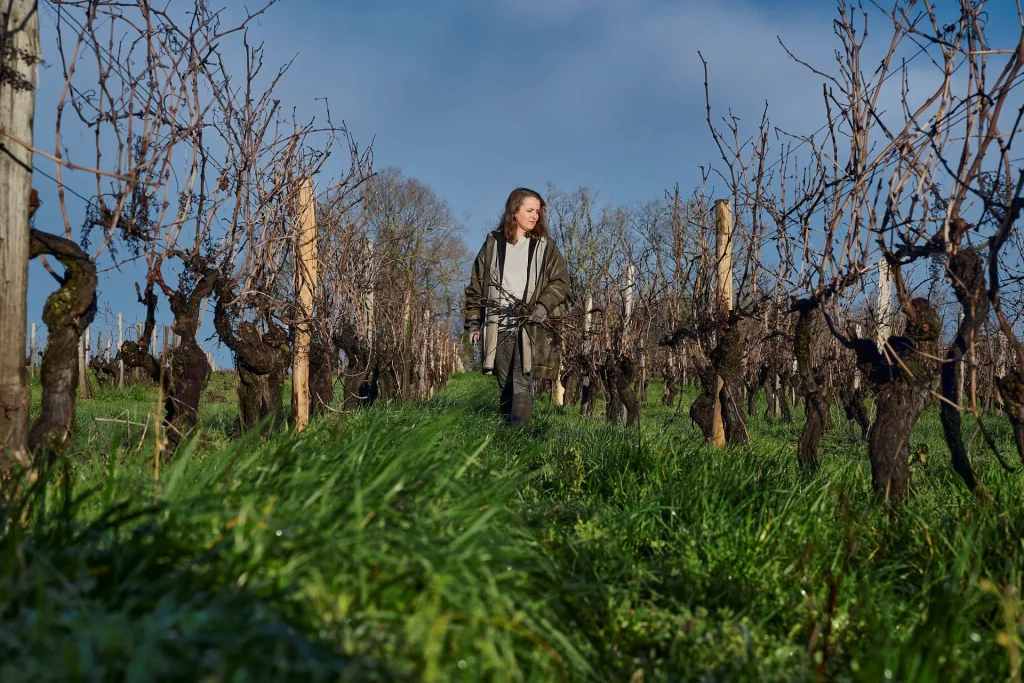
(476, 97)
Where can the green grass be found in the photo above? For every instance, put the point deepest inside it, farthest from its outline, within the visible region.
(429, 542)
(125, 417)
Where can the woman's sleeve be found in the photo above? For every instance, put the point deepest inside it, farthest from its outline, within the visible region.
(475, 291)
(557, 289)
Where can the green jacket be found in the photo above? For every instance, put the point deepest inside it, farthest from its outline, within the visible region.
(548, 284)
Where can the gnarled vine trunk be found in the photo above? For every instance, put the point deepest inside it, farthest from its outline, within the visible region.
(902, 394)
(817, 401)
(590, 387)
(256, 360)
(727, 358)
(619, 372)
(668, 397)
(360, 380)
(852, 399)
(900, 405)
(67, 313)
(273, 408)
(702, 410)
(187, 369)
(968, 276)
(322, 364)
(1011, 389)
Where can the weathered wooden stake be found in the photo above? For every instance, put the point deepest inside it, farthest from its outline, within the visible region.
(19, 71)
(1001, 346)
(369, 328)
(723, 292)
(559, 389)
(643, 371)
(778, 400)
(587, 320)
(424, 372)
(306, 276)
(83, 382)
(628, 297)
(32, 351)
(883, 322)
(963, 370)
(792, 387)
(406, 389)
(628, 311)
(459, 365)
(120, 341)
(856, 373)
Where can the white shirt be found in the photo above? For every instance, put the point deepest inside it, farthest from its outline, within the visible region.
(514, 275)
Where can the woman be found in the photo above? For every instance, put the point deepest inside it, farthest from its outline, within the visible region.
(518, 280)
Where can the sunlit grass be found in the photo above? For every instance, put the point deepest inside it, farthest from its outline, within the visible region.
(429, 542)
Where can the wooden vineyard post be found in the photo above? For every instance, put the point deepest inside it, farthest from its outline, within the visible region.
(1001, 364)
(84, 351)
(643, 373)
(792, 386)
(32, 351)
(120, 341)
(856, 375)
(305, 283)
(368, 321)
(628, 298)
(165, 351)
(884, 309)
(962, 373)
(424, 341)
(83, 385)
(406, 390)
(19, 53)
(459, 366)
(628, 310)
(558, 389)
(587, 315)
(723, 295)
(586, 323)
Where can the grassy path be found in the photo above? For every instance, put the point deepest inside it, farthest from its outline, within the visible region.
(428, 542)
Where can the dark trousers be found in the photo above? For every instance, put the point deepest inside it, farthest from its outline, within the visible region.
(508, 368)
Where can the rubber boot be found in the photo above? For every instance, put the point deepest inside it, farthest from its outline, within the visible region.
(505, 406)
(522, 409)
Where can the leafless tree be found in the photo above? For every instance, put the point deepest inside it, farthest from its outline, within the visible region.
(934, 184)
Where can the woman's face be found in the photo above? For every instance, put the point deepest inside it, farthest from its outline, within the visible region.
(528, 214)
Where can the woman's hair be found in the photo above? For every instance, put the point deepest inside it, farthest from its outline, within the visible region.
(512, 205)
